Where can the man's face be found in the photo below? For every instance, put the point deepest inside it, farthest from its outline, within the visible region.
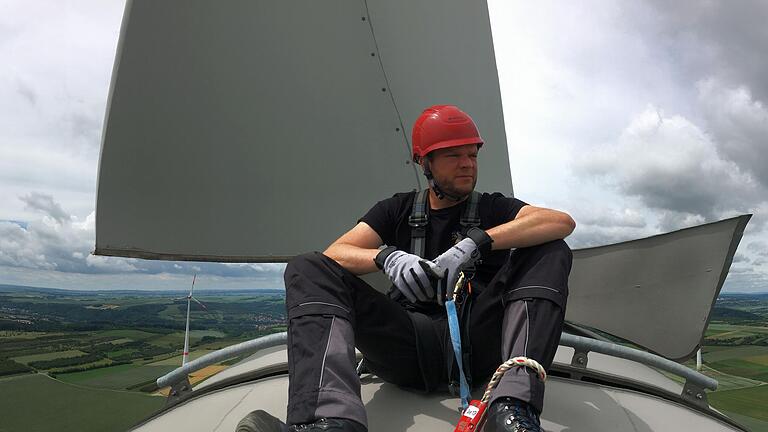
(455, 169)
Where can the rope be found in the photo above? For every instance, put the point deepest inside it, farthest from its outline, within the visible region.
(507, 365)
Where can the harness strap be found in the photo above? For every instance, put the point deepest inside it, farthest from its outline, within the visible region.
(419, 219)
(471, 216)
(418, 222)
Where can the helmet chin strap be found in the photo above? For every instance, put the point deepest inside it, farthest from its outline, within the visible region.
(436, 187)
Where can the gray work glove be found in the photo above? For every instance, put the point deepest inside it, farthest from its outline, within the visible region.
(410, 273)
(462, 255)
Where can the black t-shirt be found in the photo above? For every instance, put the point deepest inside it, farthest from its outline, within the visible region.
(389, 218)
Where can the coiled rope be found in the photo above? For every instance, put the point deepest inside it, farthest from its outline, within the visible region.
(507, 365)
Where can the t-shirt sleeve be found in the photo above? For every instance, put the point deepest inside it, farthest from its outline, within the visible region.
(381, 217)
(505, 208)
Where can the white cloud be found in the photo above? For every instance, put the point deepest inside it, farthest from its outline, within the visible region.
(58, 241)
(672, 166)
(109, 264)
(57, 60)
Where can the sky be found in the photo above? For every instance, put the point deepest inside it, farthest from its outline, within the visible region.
(636, 118)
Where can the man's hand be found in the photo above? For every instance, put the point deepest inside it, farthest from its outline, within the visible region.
(461, 256)
(410, 274)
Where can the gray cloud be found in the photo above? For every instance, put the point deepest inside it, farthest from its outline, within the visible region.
(742, 279)
(716, 37)
(739, 125)
(741, 258)
(46, 205)
(672, 166)
(26, 92)
(758, 247)
(62, 242)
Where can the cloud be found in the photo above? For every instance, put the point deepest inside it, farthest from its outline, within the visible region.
(716, 37)
(626, 218)
(45, 204)
(741, 258)
(26, 91)
(672, 166)
(739, 125)
(50, 123)
(759, 248)
(62, 242)
(108, 264)
(592, 235)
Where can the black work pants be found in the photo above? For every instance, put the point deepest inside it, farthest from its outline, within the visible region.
(331, 311)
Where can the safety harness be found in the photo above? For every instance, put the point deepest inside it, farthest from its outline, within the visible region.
(457, 310)
(420, 218)
(458, 325)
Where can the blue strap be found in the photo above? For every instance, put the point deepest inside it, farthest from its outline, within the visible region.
(453, 325)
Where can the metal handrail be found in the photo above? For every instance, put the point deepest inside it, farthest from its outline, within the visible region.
(577, 342)
(580, 343)
(180, 374)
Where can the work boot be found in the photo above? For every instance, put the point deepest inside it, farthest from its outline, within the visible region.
(329, 425)
(512, 415)
(260, 421)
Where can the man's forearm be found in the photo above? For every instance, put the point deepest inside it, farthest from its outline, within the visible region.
(533, 229)
(355, 259)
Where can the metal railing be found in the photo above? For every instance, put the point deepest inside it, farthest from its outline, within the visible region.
(586, 345)
(693, 390)
(180, 374)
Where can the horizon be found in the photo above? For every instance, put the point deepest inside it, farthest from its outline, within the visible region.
(232, 290)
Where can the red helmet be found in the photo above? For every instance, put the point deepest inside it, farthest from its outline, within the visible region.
(443, 126)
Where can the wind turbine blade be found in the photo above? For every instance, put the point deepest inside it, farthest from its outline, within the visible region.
(200, 303)
(193, 284)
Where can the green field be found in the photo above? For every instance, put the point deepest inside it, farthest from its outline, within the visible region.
(714, 354)
(173, 339)
(48, 356)
(175, 361)
(40, 403)
(742, 368)
(750, 402)
(132, 335)
(753, 424)
(117, 377)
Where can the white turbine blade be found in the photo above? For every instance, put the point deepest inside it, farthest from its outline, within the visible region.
(193, 284)
(199, 302)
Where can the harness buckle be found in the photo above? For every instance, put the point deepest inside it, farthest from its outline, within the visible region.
(417, 221)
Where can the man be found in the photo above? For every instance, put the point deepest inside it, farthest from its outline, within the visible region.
(516, 306)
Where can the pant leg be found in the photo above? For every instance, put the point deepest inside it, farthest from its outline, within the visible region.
(329, 311)
(520, 313)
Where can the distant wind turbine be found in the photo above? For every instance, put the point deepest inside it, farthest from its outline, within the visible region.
(185, 355)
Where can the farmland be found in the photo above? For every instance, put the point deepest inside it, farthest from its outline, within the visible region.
(88, 361)
(735, 352)
(70, 358)
(38, 402)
